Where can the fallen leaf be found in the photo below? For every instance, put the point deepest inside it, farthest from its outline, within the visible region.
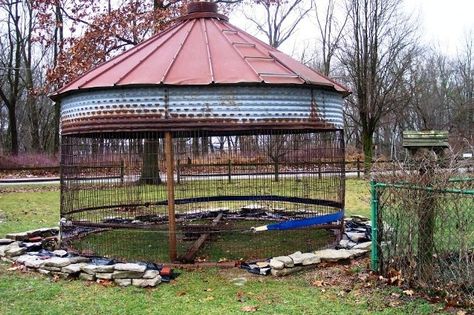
(249, 308)
(408, 292)
(461, 313)
(318, 283)
(208, 290)
(209, 298)
(181, 293)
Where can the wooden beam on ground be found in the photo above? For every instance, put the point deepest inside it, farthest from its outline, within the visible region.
(192, 251)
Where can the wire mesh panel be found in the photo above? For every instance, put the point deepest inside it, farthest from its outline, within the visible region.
(226, 185)
(427, 235)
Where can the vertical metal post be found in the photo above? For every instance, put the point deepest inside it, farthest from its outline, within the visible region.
(170, 191)
(122, 171)
(319, 169)
(178, 171)
(374, 220)
(358, 168)
(229, 170)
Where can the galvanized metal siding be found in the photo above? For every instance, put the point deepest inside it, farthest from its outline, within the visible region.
(238, 104)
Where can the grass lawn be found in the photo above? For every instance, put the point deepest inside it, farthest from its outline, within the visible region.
(330, 290)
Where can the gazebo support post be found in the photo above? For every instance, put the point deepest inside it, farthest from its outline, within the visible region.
(170, 190)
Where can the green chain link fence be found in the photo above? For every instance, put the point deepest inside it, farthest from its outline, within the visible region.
(426, 235)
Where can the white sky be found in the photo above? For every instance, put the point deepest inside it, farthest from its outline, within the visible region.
(443, 24)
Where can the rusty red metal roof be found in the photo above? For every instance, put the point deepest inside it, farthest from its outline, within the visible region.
(201, 48)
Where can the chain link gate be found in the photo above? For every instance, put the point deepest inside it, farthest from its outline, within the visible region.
(427, 235)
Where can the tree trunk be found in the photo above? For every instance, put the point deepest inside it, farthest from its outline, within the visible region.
(368, 147)
(12, 130)
(150, 170)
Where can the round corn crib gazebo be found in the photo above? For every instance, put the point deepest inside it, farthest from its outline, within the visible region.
(201, 143)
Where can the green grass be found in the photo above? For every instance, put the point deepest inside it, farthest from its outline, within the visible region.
(207, 291)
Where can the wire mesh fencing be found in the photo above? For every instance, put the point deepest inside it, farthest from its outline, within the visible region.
(115, 193)
(426, 236)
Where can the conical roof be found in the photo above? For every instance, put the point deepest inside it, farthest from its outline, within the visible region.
(201, 48)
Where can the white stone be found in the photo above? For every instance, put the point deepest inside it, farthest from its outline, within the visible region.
(14, 250)
(253, 207)
(72, 268)
(365, 245)
(123, 282)
(143, 283)
(78, 259)
(56, 262)
(285, 271)
(93, 269)
(310, 259)
(86, 276)
(126, 274)
(60, 253)
(130, 267)
(150, 274)
(296, 257)
(355, 236)
(286, 260)
(104, 275)
(5, 241)
(333, 255)
(276, 264)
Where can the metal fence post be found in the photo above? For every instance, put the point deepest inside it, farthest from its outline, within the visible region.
(374, 220)
(358, 168)
(122, 171)
(229, 170)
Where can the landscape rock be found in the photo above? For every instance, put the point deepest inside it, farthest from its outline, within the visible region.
(276, 264)
(365, 245)
(104, 275)
(60, 253)
(297, 258)
(35, 246)
(14, 250)
(150, 274)
(262, 264)
(30, 261)
(126, 274)
(56, 269)
(72, 268)
(78, 259)
(285, 260)
(5, 241)
(356, 237)
(22, 236)
(310, 259)
(123, 282)
(143, 283)
(334, 255)
(130, 267)
(56, 262)
(285, 271)
(86, 276)
(93, 269)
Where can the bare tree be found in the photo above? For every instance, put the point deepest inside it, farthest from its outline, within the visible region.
(280, 19)
(377, 54)
(331, 31)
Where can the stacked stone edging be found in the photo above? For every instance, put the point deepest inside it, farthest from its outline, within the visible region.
(25, 250)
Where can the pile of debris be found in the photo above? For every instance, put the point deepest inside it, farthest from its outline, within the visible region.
(26, 251)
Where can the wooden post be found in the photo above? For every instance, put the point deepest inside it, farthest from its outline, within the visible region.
(358, 168)
(170, 191)
(229, 170)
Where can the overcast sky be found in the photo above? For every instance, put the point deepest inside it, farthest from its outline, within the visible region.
(443, 24)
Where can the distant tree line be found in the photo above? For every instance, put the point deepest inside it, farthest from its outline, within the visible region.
(371, 46)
